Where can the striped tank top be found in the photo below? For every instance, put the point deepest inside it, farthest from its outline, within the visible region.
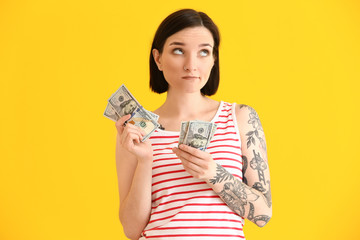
(187, 208)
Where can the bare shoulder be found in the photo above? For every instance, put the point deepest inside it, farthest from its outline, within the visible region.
(247, 114)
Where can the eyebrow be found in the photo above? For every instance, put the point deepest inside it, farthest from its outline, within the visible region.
(183, 44)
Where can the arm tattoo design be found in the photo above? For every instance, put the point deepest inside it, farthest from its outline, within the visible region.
(237, 195)
(254, 120)
(262, 218)
(245, 165)
(255, 219)
(267, 194)
(258, 186)
(257, 163)
(242, 105)
(221, 175)
(251, 211)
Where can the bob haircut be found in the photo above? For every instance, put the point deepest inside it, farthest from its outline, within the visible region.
(174, 23)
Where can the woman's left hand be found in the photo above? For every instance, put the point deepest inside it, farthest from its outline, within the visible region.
(196, 162)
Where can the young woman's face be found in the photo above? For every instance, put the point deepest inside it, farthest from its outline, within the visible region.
(187, 59)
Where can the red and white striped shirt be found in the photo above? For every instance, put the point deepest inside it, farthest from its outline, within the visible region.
(187, 208)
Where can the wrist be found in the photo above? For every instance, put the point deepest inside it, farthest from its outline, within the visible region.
(211, 173)
(145, 160)
(219, 175)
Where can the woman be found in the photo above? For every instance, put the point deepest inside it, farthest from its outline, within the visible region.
(181, 192)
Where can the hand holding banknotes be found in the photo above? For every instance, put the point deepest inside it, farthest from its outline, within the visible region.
(122, 103)
(130, 137)
(198, 163)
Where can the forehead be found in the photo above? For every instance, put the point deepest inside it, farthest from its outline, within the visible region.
(194, 35)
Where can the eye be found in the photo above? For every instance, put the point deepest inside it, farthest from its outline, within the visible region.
(204, 53)
(178, 51)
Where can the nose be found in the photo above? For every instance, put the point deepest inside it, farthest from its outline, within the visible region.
(190, 64)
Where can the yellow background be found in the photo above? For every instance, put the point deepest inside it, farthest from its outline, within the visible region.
(296, 62)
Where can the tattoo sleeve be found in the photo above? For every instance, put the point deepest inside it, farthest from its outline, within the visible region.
(257, 131)
(245, 165)
(237, 195)
(251, 197)
(221, 175)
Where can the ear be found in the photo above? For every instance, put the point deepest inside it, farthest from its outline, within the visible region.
(157, 58)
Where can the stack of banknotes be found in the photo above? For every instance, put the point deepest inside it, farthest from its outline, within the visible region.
(122, 103)
(197, 134)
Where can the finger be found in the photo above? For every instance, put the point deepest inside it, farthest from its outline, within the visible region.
(142, 132)
(193, 172)
(122, 120)
(188, 165)
(129, 130)
(193, 169)
(133, 134)
(187, 156)
(135, 138)
(193, 151)
(128, 143)
(130, 140)
(120, 123)
(132, 126)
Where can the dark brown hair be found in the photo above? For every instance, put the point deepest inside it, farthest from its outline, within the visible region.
(172, 24)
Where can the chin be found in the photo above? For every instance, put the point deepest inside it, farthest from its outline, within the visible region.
(193, 89)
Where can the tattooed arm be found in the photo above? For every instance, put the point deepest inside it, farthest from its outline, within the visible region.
(250, 198)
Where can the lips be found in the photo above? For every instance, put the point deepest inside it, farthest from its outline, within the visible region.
(190, 77)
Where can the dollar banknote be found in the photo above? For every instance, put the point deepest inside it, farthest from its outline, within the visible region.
(153, 115)
(143, 120)
(198, 134)
(111, 113)
(123, 102)
(183, 131)
(214, 127)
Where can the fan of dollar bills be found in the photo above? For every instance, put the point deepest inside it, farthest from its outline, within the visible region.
(122, 103)
(197, 134)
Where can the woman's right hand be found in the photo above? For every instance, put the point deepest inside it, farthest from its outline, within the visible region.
(130, 137)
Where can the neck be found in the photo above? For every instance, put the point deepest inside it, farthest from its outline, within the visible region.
(184, 105)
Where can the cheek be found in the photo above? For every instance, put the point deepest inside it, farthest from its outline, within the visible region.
(171, 69)
(206, 68)
(172, 65)
(210, 65)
